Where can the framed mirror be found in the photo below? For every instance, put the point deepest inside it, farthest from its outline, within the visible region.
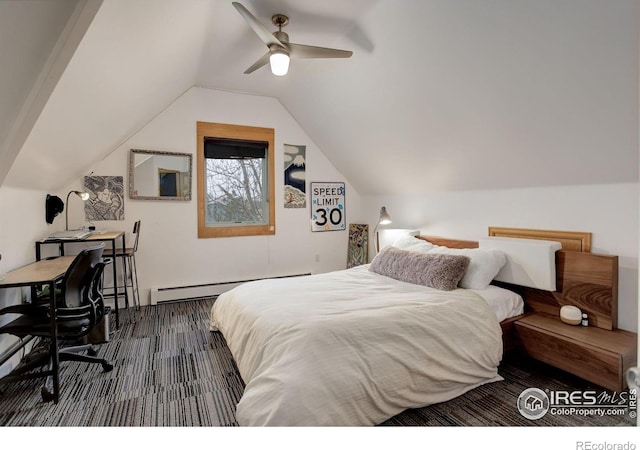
(156, 175)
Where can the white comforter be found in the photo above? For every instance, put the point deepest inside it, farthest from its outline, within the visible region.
(353, 347)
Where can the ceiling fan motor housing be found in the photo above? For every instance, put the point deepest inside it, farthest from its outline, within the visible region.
(281, 36)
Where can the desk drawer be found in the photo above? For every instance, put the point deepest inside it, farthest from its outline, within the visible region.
(590, 362)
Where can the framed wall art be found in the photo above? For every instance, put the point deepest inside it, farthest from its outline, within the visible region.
(294, 176)
(106, 198)
(327, 207)
(358, 249)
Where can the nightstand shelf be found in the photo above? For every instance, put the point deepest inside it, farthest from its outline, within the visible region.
(598, 355)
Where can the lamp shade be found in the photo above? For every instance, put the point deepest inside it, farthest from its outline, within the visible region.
(385, 218)
(279, 61)
(84, 196)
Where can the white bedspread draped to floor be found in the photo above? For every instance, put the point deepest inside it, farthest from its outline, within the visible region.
(353, 347)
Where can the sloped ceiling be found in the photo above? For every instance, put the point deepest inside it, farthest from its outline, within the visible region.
(37, 41)
(439, 95)
(136, 58)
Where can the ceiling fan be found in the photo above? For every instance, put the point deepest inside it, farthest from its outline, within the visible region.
(280, 49)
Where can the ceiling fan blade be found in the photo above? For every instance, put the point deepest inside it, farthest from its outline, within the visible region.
(264, 60)
(263, 32)
(309, 51)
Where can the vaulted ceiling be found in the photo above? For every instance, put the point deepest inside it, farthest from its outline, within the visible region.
(439, 95)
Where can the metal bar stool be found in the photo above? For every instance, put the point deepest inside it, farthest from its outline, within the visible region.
(130, 271)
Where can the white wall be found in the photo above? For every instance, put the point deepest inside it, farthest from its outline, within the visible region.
(22, 222)
(170, 253)
(608, 211)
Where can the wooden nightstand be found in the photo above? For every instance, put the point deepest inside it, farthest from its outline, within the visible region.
(598, 355)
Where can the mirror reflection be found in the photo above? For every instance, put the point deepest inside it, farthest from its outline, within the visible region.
(157, 175)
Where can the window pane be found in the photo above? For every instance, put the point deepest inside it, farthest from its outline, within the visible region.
(235, 191)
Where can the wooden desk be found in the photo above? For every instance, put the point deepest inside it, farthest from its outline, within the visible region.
(47, 271)
(110, 237)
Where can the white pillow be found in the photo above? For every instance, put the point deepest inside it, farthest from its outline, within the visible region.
(503, 302)
(413, 244)
(484, 266)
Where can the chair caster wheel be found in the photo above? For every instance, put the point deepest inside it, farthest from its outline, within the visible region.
(92, 351)
(107, 367)
(46, 395)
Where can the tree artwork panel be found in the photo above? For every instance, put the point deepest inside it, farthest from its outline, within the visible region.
(295, 176)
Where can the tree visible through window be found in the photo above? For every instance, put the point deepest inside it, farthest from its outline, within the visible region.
(235, 180)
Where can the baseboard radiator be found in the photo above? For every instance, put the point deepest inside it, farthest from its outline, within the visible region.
(179, 293)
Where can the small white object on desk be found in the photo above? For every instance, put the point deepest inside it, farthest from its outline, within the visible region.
(585, 320)
(69, 234)
(571, 315)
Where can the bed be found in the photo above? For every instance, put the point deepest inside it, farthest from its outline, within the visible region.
(357, 346)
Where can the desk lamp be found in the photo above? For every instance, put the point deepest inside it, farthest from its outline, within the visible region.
(84, 196)
(384, 219)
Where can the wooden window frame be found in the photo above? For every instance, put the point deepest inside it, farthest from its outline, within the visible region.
(226, 131)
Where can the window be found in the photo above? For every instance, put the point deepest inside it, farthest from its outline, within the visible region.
(235, 180)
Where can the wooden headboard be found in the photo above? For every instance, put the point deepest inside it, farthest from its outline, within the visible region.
(574, 241)
(586, 280)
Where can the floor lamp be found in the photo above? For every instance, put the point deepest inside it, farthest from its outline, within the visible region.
(84, 196)
(384, 219)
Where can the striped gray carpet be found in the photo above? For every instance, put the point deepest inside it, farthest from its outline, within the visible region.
(170, 370)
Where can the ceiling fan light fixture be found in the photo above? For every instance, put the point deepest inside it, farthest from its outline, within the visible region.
(279, 61)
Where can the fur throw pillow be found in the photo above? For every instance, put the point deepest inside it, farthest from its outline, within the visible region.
(439, 271)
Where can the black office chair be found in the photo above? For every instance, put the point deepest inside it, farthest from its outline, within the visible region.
(80, 307)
